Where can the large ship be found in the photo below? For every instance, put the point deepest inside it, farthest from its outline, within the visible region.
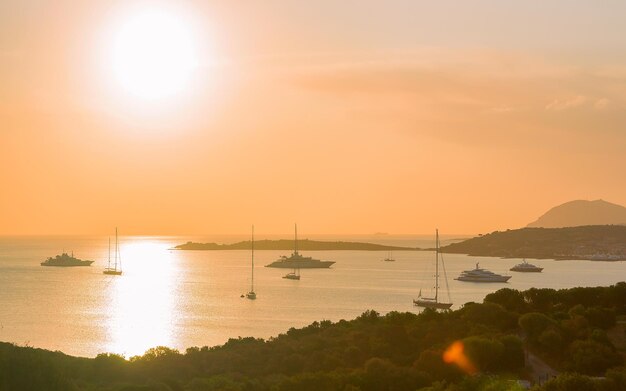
(526, 267)
(297, 261)
(65, 260)
(481, 275)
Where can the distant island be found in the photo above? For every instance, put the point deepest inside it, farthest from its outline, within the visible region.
(582, 212)
(286, 244)
(594, 242)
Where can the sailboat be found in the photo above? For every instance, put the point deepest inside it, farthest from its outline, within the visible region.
(294, 275)
(389, 258)
(252, 295)
(118, 259)
(433, 302)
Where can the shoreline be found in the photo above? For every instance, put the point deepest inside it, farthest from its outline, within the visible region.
(541, 258)
(284, 333)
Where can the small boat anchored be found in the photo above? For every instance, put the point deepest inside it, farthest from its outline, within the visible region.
(526, 267)
(433, 302)
(294, 275)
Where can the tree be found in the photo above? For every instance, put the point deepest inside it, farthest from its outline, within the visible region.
(485, 354)
(511, 299)
(592, 358)
(490, 314)
(534, 324)
(513, 354)
(540, 299)
(569, 382)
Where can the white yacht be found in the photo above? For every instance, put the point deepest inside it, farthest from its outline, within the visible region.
(526, 267)
(481, 275)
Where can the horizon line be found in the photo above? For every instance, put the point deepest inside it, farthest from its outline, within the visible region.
(386, 234)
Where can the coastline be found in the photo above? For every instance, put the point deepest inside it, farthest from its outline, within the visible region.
(605, 243)
(402, 348)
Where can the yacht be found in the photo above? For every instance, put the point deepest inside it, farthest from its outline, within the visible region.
(389, 258)
(65, 260)
(433, 302)
(297, 261)
(481, 275)
(526, 267)
(252, 294)
(114, 271)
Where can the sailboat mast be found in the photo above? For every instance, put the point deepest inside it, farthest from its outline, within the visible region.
(252, 286)
(109, 262)
(117, 249)
(436, 264)
(119, 255)
(296, 239)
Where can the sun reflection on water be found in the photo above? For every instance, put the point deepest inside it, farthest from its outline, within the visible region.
(142, 299)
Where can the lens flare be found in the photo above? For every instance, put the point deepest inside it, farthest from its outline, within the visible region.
(455, 354)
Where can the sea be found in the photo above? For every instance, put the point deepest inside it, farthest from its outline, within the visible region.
(181, 299)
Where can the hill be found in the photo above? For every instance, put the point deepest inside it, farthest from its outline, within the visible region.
(595, 242)
(582, 212)
(287, 245)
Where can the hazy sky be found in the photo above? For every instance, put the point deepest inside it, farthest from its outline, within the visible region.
(345, 116)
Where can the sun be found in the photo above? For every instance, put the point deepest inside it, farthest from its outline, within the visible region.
(154, 53)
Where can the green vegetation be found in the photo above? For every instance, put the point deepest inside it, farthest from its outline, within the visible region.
(397, 351)
(593, 242)
(284, 244)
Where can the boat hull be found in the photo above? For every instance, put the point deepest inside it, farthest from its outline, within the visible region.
(113, 272)
(491, 279)
(432, 304)
(301, 264)
(82, 263)
(526, 270)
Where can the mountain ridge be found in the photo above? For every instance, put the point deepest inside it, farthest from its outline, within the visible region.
(581, 213)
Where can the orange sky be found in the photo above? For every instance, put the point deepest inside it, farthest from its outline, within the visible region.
(357, 117)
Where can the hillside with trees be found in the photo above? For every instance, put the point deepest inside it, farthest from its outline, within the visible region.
(478, 347)
(594, 242)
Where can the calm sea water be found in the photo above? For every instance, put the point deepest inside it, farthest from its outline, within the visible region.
(185, 298)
